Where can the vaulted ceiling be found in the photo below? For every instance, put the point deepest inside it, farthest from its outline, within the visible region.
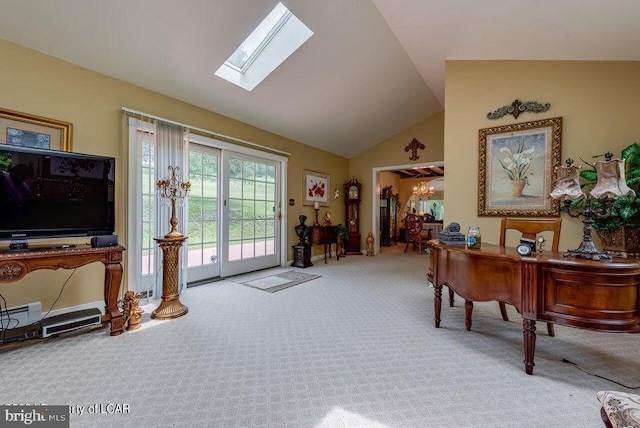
(372, 68)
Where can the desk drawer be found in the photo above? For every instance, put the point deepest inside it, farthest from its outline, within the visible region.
(587, 299)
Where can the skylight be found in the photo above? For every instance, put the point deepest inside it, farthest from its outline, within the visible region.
(279, 35)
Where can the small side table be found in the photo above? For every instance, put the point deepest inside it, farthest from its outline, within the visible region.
(170, 306)
(325, 235)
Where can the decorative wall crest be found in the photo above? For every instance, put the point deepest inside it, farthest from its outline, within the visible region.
(517, 107)
(414, 145)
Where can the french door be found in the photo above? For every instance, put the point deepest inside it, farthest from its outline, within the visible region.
(251, 214)
(234, 211)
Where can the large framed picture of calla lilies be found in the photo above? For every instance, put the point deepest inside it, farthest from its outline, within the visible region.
(516, 169)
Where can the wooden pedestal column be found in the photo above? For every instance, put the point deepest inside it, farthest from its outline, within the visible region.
(302, 256)
(170, 307)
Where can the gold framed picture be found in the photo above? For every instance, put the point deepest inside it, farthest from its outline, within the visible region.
(26, 130)
(516, 166)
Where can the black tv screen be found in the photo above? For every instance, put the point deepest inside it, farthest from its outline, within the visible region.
(48, 193)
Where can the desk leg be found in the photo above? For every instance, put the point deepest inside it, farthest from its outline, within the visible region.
(437, 302)
(325, 251)
(529, 334)
(468, 310)
(112, 281)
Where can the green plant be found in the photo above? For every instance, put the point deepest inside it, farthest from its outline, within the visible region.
(626, 209)
(343, 232)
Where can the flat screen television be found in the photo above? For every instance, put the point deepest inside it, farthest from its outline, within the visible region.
(52, 194)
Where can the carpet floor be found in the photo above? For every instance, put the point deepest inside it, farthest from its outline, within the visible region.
(355, 347)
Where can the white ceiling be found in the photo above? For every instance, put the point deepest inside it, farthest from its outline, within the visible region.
(372, 68)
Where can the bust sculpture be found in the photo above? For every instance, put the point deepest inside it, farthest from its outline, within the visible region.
(327, 219)
(302, 230)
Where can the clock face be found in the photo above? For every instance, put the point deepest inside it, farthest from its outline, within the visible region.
(523, 249)
(353, 192)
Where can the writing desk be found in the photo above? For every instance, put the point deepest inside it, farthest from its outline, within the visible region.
(14, 265)
(588, 294)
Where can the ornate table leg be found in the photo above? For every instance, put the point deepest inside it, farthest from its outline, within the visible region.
(468, 310)
(170, 306)
(529, 335)
(112, 282)
(451, 297)
(437, 302)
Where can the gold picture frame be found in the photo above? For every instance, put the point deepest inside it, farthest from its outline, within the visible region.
(23, 129)
(516, 165)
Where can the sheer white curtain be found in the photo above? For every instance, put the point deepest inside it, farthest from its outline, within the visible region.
(154, 145)
(171, 150)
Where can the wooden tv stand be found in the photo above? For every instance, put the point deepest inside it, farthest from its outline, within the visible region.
(15, 264)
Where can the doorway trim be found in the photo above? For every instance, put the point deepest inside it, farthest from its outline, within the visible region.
(375, 194)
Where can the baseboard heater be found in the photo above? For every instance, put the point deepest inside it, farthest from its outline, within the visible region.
(70, 321)
(21, 316)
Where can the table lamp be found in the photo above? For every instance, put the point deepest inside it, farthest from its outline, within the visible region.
(610, 182)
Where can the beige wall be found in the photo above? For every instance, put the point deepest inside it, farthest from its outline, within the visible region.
(597, 101)
(391, 153)
(41, 85)
(390, 179)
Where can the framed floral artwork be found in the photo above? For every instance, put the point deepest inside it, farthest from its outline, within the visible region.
(316, 188)
(516, 166)
(22, 129)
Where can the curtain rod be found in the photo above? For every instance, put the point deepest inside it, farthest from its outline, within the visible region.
(215, 134)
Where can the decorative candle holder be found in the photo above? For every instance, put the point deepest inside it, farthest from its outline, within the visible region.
(316, 208)
(172, 191)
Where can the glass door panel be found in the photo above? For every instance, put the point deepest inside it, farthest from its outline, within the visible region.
(250, 226)
(203, 243)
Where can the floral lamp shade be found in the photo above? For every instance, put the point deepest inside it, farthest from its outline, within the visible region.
(611, 179)
(567, 183)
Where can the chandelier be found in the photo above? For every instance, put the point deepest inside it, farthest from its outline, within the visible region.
(423, 191)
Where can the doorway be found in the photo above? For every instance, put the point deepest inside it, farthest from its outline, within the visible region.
(413, 172)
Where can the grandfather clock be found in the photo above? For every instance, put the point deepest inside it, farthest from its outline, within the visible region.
(352, 202)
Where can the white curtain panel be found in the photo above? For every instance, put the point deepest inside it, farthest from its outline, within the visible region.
(171, 150)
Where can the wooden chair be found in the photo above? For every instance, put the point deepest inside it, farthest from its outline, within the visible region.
(530, 230)
(413, 231)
